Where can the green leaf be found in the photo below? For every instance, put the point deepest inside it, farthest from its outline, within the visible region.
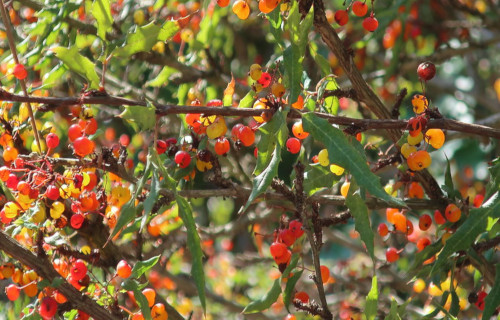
(492, 300)
(266, 301)
(448, 182)
(132, 285)
(194, 247)
(154, 191)
(317, 177)
(425, 254)
(290, 288)
(101, 10)
(143, 266)
(264, 179)
(247, 100)
(494, 184)
(143, 39)
(293, 21)
(292, 61)
(168, 30)
(162, 78)
(371, 301)
(275, 20)
(359, 211)
(293, 263)
(144, 117)
(342, 153)
(271, 133)
(78, 63)
(475, 224)
(393, 312)
(321, 61)
(439, 307)
(455, 305)
(304, 29)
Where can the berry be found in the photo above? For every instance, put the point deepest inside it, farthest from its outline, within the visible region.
(478, 200)
(400, 222)
(10, 154)
(235, 131)
(325, 274)
(359, 8)
(419, 103)
(323, 158)
(392, 255)
(426, 71)
(452, 213)
(241, 9)
(263, 7)
(299, 104)
(414, 140)
(74, 132)
(277, 249)
(83, 146)
(302, 296)
(183, 159)
(48, 308)
(12, 181)
(415, 190)
(370, 23)
(295, 227)
(161, 146)
(265, 79)
(223, 3)
(424, 222)
(124, 140)
(158, 312)
(255, 71)
(278, 90)
(337, 170)
(78, 270)
(298, 131)
(419, 285)
(12, 292)
(286, 235)
(52, 140)
(435, 137)
(407, 150)
(77, 220)
(20, 72)
(419, 160)
(124, 270)
(246, 136)
(293, 145)
(438, 217)
(52, 192)
(344, 189)
(139, 17)
(422, 243)
(221, 146)
(150, 295)
(341, 17)
(383, 230)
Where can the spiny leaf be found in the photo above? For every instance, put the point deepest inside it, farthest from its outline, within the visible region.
(144, 117)
(342, 153)
(168, 30)
(78, 63)
(359, 211)
(372, 301)
(194, 246)
(271, 133)
(162, 78)
(143, 266)
(266, 301)
(264, 179)
(466, 234)
(101, 10)
(143, 39)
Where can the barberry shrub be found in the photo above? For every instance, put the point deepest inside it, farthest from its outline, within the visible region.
(276, 159)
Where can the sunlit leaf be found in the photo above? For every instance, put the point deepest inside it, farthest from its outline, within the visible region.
(78, 63)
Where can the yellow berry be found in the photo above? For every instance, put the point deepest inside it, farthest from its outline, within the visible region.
(415, 140)
(407, 149)
(335, 169)
(435, 137)
(344, 189)
(323, 158)
(255, 71)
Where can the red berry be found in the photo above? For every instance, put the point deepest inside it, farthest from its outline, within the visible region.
(295, 227)
(438, 217)
(78, 270)
(52, 192)
(422, 243)
(77, 220)
(283, 259)
(48, 308)
(12, 292)
(359, 8)
(302, 296)
(182, 158)
(161, 146)
(341, 17)
(246, 136)
(426, 71)
(478, 200)
(293, 145)
(235, 131)
(74, 132)
(287, 237)
(221, 146)
(52, 140)
(383, 230)
(392, 255)
(20, 72)
(124, 140)
(12, 181)
(425, 222)
(370, 23)
(123, 269)
(214, 103)
(83, 146)
(277, 249)
(265, 79)
(171, 142)
(325, 274)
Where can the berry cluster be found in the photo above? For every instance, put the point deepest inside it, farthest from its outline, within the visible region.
(360, 9)
(285, 238)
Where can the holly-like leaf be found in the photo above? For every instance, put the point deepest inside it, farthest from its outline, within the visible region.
(143, 117)
(168, 30)
(101, 10)
(492, 300)
(266, 301)
(78, 63)
(143, 266)
(475, 224)
(271, 133)
(290, 288)
(194, 246)
(275, 22)
(264, 179)
(292, 60)
(342, 153)
(162, 78)
(372, 301)
(143, 39)
(359, 211)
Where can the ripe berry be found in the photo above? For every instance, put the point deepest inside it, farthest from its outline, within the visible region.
(124, 270)
(383, 230)
(52, 192)
(161, 146)
(341, 17)
(287, 237)
(150, 295)
(19, 72)
(52, 140)
(438, 217)
(302, 296)
(407, 150)
(293, 145)
(344, 189)
(182, 158)
(12, 292)
(221, 146)
(255, 71)
(370, 23)
(419, 285)
(124, 140)
(223, 3)
(359, 8)
(78, 270)
(452, 213)
(415, 190)
(425, 222)
(48, 308)
(283, 259)
(422, 243)
(277, 249)
(74, 132)
(83, 146)
(426, 71)
(264, 8)
(278, 90)
(10, 154)
(392, 255)
(478, 200)
(419, 103)
(265, 79)
(246, 136)
(299, 104)
(241, 9)
(12, 181)
(419, 160)
(400, 222)
(235, 131)
(325, 274)
(298, 131)
(295, 227)
(435, 137)
(77, 220)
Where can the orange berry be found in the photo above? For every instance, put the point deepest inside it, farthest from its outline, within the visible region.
(424, 222)
(389, 214)
(415, 190)
(419, 103)
(241, 9)
(452, 213)
(325, 274)
(419, 160)
(435, 137)
(278, 90)
(299, 104)
(422, 243)
(298, 131)
(150, 295)
(223, 3)
(123, 269)
(400, 222)
(158, 312)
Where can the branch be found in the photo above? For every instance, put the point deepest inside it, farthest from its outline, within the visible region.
(51, 103)
(45, 269)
